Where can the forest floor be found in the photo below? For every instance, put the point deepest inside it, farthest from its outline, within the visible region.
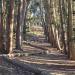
(39, 55)
(46, 58)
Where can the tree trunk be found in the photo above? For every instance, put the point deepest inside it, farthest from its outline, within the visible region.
(1, 26)
(46, 29)
(9, 27)
(20, 23)
(24, 26)
(62, 26)
(69, 30)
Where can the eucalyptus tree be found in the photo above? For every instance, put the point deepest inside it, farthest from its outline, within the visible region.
(48, 20)
(9, 27)
(22, 6)
(53, 22)
(73, 29)
(62, 10)
(71, 52)
(2, 14)
(52, 26)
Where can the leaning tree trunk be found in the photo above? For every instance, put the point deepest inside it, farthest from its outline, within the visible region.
(9, 27)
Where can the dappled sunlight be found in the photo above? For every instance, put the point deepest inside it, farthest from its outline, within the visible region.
(38, 60)
(37, 37)
(57, 73)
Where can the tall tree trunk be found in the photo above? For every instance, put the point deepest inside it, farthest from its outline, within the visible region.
(62, 25)
(50, 27)
(46, 29)
(24, 25)
(54, 27)
(20, 22)
(24, 12)
(1, 26)
(49, 19)
(9, 27)
(18, 29)
(69, 29)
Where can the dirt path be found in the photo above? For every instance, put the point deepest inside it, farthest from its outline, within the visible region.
(45, 57)
(54, 62)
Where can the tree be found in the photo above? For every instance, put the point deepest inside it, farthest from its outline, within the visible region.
(61, 5)
(22, 6)
(1, 25)
(9, 27)
(69, 29)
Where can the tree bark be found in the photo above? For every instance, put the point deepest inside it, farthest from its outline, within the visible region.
(69, 29)
(9, 27)
(1, 26)
(20, 22)
(62, 26)
(18, 29)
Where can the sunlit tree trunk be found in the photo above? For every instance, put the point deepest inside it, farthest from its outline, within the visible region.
(20, 22)
(18, 29)
(48, 31)
(48, 4)
(9, 27)
(54, 27)
(62, 25)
